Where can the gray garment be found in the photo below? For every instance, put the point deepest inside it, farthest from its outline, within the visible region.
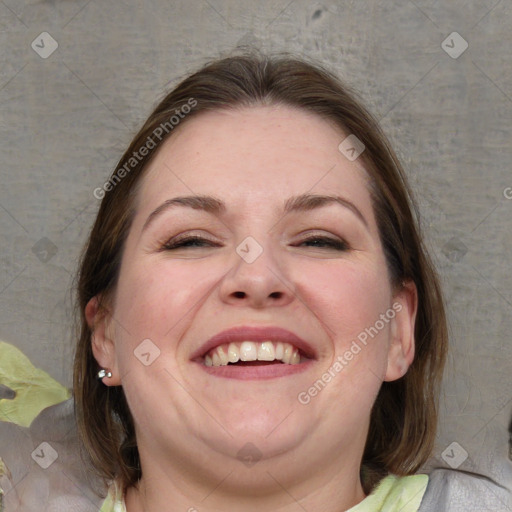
(44, 468)
(450, 490)
(67, 484)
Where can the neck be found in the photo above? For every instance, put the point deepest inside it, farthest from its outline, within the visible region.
(235, 487)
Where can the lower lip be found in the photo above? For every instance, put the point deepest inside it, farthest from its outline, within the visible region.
(270, 371)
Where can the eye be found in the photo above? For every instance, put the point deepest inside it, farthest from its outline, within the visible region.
(325, 242)
(188, 242)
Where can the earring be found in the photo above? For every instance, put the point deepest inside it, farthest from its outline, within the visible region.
(104, 373)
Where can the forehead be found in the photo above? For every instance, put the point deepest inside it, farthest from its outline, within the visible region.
(262, 154)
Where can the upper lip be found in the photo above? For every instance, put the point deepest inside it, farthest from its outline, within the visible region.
(250, 333)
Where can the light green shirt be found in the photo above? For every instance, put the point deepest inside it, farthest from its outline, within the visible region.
(392, 494)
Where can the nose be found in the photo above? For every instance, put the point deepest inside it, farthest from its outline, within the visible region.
(260, 283)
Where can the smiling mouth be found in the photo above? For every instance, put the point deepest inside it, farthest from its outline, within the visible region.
(253, 353)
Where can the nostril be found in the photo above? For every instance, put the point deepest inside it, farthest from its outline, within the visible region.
(239, 295)
(276, 295)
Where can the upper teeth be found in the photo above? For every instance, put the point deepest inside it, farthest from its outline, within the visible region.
(252, 351)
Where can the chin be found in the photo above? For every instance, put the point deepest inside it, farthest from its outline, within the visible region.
(260, 437)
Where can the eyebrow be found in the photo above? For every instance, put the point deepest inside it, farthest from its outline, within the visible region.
(206, 203)
(307, 202)
(210, 204)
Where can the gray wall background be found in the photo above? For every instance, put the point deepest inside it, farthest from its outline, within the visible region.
(65, 120)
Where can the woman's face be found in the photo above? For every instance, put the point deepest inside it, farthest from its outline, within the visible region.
(285, 242)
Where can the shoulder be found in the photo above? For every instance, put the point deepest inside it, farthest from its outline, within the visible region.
(464, 491)
(114, 501)
(43, 464)
(395, 494)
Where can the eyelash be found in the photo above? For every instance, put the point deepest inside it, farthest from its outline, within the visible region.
(181, 242)
(328, 243)
(331, 243)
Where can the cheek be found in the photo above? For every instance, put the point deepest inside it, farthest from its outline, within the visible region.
(153, 301)
(349, 301)
(346, 297)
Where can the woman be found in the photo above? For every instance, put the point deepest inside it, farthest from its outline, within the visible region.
(262, 328)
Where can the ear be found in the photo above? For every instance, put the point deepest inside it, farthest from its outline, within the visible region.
(402, 346)
(100, 321)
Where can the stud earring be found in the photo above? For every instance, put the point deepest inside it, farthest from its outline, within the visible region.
(104, 373)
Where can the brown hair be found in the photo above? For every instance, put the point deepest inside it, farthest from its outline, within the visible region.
(404, 416)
